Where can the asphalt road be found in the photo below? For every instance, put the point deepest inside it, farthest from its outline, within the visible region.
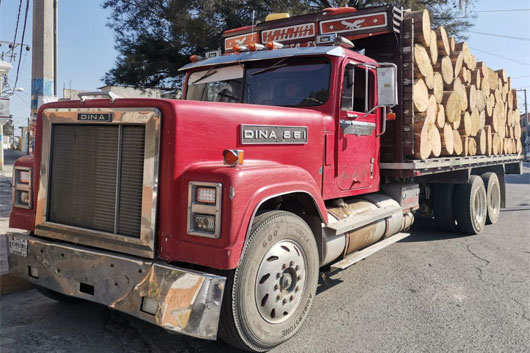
(431, 292)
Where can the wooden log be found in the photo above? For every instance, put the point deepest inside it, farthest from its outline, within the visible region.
(438, 90)
(458, 147)
(452, 43)
(422, 26)
(465, 51)
(436, 143)
(423, 141)
(475, 77)
(483, 68)
(514, 103)
(496, 144)
(493, 79)
(420, 96)
(475, 122)
(481, 142)
(465, 144)
(472, 64)
(458, 87)
(447, 140)
(466, 128)
(489, 137)
(423, 65)
(502, 75)
(457, 59)
(445, 66)
(452, 105)
(443, 45)
(472, 146)
(440, 116)
(471, 93)
(433, 48)
(480, 100)
(485, 86)
(490, 104)
(458, 122)
(482, 120)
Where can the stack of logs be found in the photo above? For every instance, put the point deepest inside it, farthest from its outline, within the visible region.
(461, 106)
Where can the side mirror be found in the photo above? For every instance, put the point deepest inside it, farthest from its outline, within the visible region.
(387, 86)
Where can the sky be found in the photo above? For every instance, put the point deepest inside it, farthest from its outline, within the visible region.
(86, 45)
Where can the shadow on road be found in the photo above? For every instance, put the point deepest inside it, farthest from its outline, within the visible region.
(427, 230)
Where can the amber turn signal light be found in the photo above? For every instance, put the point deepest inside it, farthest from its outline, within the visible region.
(391, 116)
(273, 45)
(255, 46)
(233, 157)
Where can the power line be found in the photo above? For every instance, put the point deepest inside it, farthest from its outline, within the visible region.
(510, 10)
(513, 78)
(500, 35)
(21, 47)
(16, 31)
(502, 57)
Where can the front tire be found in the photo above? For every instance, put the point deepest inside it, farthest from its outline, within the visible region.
(269, 295)
(471, 206)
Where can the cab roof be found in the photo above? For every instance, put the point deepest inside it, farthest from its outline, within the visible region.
(269, 54)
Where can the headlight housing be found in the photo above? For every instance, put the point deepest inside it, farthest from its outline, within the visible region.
(204, 209)
(22, 187)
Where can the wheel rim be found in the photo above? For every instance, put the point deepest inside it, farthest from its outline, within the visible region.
(494, 201)
(480, 207)
(280, 281)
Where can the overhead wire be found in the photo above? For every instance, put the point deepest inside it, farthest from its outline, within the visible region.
(16, 31)
(21, 46)
(501, 35)
(502, 57)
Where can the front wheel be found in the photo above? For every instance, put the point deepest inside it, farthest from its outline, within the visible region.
(269, 295)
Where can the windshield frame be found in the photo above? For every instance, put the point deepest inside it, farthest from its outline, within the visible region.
(303, 60)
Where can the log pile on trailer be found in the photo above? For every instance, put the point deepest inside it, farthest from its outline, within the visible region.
(461, 107)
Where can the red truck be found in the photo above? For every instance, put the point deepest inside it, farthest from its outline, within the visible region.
(213, 215)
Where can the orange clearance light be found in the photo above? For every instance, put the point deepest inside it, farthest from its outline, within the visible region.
(233, 157)
(255, 46)
(391, 116)
(239, 48)
(194, 58)
(273, 45)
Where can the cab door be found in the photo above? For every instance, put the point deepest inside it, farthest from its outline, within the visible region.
(358, 142)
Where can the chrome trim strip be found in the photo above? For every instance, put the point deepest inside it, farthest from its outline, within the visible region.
(189, 302)
(143, 246)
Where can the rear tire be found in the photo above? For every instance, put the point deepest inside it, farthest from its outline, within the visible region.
(443, 206)
(268, 297)
(493, 196)
(470, 206)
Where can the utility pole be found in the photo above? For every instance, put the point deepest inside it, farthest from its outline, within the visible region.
(44, 56)
(526, 123)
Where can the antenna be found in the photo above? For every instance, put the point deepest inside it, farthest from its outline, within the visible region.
(252, 30)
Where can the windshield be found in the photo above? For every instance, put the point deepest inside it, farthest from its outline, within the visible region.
(284, 82)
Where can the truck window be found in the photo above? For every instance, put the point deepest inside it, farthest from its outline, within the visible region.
(218, 84)
(288, 82)
(354, 89)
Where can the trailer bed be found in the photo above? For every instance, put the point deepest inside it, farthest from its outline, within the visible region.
(414, 168)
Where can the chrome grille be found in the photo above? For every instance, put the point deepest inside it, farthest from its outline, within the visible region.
(96, 176)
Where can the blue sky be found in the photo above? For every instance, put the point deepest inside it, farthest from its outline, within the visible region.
(86, 49)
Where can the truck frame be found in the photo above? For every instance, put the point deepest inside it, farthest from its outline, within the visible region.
(213, 216)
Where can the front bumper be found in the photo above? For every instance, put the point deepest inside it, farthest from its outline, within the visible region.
(189, 302)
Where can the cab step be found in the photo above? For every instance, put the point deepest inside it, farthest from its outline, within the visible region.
(363, 254)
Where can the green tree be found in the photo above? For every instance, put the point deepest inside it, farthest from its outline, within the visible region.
(9, 128)
(156, 37)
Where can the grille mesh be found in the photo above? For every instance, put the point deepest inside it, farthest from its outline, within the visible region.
(85, 169)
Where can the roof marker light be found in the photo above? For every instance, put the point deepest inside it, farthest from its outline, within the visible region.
(194, 58)
(239, 48)
(255, 46)
(273, 45)
(343, 42)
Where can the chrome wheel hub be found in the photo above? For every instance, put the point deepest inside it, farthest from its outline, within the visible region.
(280, 281)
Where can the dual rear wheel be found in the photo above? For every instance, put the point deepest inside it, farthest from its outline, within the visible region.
(468, 207)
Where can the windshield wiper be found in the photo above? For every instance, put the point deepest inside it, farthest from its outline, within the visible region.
(274, 66)
(206, 75)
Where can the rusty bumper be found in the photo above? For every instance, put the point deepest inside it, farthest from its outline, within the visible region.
(185, 301)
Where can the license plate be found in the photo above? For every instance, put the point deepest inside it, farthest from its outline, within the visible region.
(18, 246)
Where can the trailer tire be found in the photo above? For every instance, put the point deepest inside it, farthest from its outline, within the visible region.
(443, 206)
(493, 195)
(470, 205)
(268, 297)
